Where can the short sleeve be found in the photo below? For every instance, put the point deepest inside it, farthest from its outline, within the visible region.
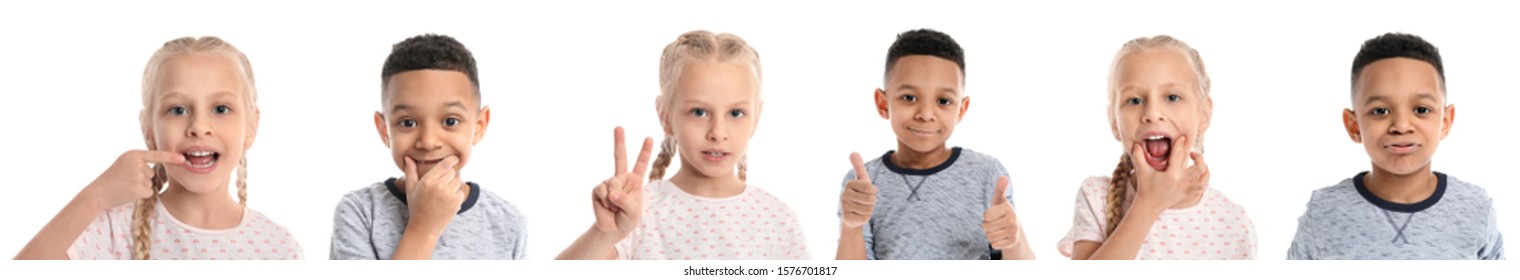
(1087, 215)
(1302, 247)
(351, 230)
(797, 244)
(1245, 249)
(520, 249)
(107, 237)
(1493, 249)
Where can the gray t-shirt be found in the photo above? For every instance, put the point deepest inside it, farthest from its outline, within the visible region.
(368, 223)
(1346, 221)
(933, 213)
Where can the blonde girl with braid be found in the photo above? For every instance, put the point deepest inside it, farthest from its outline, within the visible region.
(1156, 205)
(709, 106)
(171, 200)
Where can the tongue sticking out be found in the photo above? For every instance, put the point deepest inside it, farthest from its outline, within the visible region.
(1157, 152)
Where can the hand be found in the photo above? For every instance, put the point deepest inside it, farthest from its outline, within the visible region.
(999, 221)
(433, 199)
(130, 178)
(859, 197)
(1178, 184)
(619, 201)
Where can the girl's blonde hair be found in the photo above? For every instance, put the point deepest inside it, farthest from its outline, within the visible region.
(143, 216)
(1122, 180)
(697, 47)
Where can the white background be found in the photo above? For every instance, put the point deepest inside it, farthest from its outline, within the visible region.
(559, 76)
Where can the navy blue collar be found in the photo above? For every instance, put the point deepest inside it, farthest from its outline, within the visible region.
(390, 185)
(1361, 188)
(886, 159)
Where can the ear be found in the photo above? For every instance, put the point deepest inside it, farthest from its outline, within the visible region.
(1208, 116)
(881, 103)
(1113, 125)
(659, 112)
(482, 120)
(147, 130)
(1447, 119)
(965, 104)
(383, 129)
(1353, 129)
(253, 129)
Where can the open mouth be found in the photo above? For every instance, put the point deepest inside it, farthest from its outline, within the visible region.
(1158, 150)
(715, 155)
(201, 160)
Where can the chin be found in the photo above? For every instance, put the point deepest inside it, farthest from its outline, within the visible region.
(199, 183)
(1402, 167)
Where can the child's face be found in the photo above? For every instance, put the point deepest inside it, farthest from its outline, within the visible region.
(1156, 101)
(712, 115)
(429, 115)
(200, 110)
(923, 101)
(1399, 114)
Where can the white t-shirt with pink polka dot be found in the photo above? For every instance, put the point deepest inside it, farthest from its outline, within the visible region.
(681, 226)
(109, 236)
(1214, 229)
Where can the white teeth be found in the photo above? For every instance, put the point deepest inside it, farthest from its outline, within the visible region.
(1157, 137)
(200, 153)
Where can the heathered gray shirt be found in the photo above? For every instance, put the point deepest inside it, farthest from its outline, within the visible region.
(1346, 221)
(368, 223)
(933, 213)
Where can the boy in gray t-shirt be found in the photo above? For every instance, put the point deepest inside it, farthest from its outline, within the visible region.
(926, 200)
(430, 118)
(1401, 209)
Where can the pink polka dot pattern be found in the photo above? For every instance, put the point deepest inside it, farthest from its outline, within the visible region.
(1214, 229)
(254, 238)
(680, 226)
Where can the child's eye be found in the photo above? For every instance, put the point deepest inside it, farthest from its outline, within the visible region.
(450, 122)
(945, 101)
(223, 109)
(178, 110)
(407, 123)
(1173, 97)
(699, 112)
(1379, 111)
(1422, 110)
(736, 113)
(909, 98)
(1133, 101)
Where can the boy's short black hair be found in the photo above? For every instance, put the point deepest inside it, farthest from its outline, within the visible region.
(430, 52)
(1394, 45)
(926, 42)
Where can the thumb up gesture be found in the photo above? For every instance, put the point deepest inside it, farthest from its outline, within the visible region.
(859, 197)
(999, 222)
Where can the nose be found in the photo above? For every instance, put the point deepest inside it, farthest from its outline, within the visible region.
(924, 114)
(199, 126)
(717, 131)
(429, 138)
(1401, 124)
(1153, 113)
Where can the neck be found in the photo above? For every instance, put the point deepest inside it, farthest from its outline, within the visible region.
(692, 181)
(911, 159)
(1406, 188)
(210, 210)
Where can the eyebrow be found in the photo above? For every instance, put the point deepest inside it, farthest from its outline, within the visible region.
(451, 104)
(1423, 95)
(911, 87)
